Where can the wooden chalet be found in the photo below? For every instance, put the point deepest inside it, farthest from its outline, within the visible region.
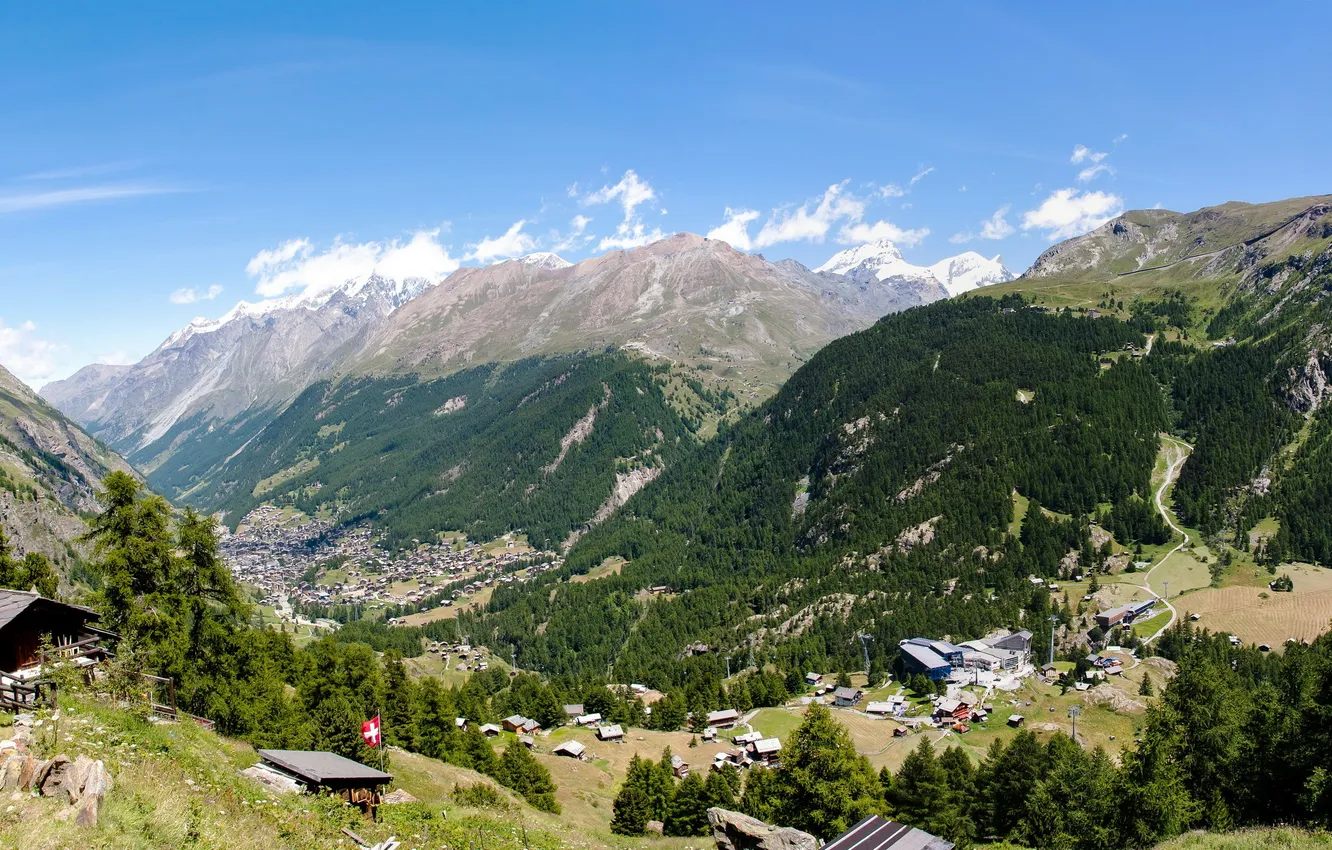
(26, 617)
(331, 773)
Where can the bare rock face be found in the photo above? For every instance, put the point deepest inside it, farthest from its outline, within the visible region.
(736, 831)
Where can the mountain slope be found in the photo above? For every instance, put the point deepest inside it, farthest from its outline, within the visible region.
(881, 261)
(257, 354)
(50, 471)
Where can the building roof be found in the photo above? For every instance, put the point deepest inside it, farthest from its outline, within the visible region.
(723, 715)
(876, 833)
(768, 745)
(15, 602)
(320, 768)
(924, 656)
(879, 708)
(573, 748)
(847, 693)
(606, 732)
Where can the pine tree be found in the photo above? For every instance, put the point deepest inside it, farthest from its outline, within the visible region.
(630, 811)
(824, 786)
(718, 791)
(523, 773)
(687, 813)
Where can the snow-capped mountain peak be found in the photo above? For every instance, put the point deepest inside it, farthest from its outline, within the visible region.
(872, 255)
(968, 271)
(545, 260)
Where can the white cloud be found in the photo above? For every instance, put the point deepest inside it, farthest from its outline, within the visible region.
(994, 227)
(30, 358)
(1121, 138)
(632, 191)
(1090, 172)
(189, 295)
(514, 243)
(1070, 212)
(804, 224)
(891, 191)
(860, 233)
(1082, 153)
(812, 221)
(921, 174)
(576, 237)
(64, 197)
(735, 231)
(295, 266)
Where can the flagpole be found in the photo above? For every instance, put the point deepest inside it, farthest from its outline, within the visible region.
(381, 739)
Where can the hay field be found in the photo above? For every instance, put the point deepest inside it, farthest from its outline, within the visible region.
(1303, 614)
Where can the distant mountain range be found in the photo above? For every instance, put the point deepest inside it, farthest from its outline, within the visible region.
(687, 299)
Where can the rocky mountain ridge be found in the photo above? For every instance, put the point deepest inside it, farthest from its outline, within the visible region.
(50, 471)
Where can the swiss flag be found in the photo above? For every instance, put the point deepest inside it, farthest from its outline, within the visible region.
(370, 731)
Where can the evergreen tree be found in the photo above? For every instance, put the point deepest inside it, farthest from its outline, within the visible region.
(718, 791)
(523, 773)
(687, 813)
(823, 785)
(630, 811)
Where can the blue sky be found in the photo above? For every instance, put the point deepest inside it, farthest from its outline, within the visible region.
(163, 161)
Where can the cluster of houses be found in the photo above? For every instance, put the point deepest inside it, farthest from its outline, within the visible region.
(470, 658)
(274, 553)
(942, 660)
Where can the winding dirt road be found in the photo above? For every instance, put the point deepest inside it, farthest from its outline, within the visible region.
(1177, 451)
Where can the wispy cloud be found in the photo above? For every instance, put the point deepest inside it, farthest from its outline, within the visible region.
(1091, 172)
(631, 192)
(922, 174)
(190, 295)
(32, 359)
(512, 243)
(1082, 153)
(295, 265)
(24, 201)
(995, 227)
(83, 171)
(576, 238)
(811, 221)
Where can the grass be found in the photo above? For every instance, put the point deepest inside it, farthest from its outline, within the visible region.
(177, 785)
(1251, 839)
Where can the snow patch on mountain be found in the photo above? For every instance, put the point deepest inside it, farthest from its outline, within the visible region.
(545, 260)
(882, 261)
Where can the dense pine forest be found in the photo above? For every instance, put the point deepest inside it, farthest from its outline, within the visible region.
(474, 452)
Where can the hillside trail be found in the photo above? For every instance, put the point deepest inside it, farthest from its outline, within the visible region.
(1177, 451)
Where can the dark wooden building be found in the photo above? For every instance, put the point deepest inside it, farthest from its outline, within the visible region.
(26, 616)
(329, 772)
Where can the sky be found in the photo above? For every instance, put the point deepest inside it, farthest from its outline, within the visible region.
(161, 161)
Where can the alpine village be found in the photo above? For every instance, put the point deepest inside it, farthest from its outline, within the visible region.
(672, 545)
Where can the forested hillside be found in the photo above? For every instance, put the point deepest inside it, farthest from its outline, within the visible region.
(537, 446)
(874, 493)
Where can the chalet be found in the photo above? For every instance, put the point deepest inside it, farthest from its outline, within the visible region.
(514, 723)
(723, 719)
(527, 741)
(570, 749)
(765, 751)
(747, 738)
(587, 719)
(490, 730)
(950, 711)
(901, 732)
(26, 616)
(531, 727)
(1016, 720)
(679, 767)
(876, 833)
(573, 711)
(321, 772)
(881, 708)
(610, 733)
(812, 679)
(846, 696)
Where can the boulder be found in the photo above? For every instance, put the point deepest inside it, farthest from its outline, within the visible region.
(399, 796)
(96, 785)
(655, 827)
(736, 831)
(273, 780)
(9, 772)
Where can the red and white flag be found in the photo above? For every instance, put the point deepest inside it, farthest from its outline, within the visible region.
(370, 731)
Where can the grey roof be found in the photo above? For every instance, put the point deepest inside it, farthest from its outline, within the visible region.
(15, 602)
(847, 693)
(320, 767)
(875, 833)
(925, 656)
